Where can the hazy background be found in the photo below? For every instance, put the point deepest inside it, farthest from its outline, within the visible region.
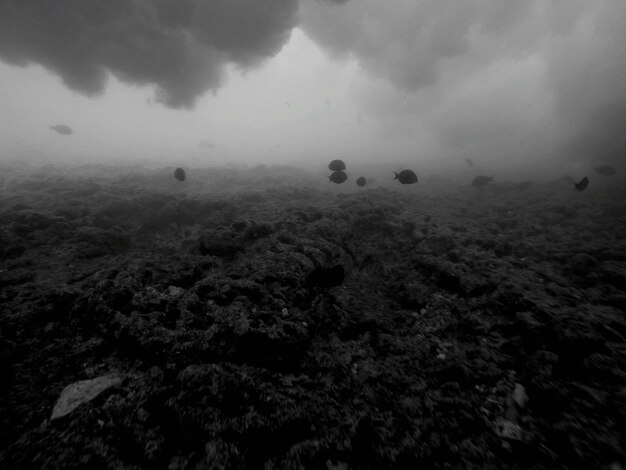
(523, 88)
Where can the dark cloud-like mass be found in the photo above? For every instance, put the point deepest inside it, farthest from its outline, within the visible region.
(179, 46)
(481, 78)
(406, 41)
(443, 52)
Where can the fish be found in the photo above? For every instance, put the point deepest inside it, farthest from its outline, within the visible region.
(469, 161)
(582, 184)
(179, 174)
(605, 170)
(524, 185)
(327, 277)
(405, 177)
(361, 181)
(62, 129)
(336, 165)
(338, 177)
(481, 181)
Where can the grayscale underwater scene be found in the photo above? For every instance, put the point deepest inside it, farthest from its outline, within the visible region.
(313, 234)
(466, 326)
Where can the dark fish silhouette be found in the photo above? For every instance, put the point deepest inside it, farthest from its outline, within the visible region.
(405, 177)
(327, 277)
(361, 181)
(62, 129)
(469, 161)
(481, 181)
(605, 170)
(582, 184)
(336, 165)
(179, 174)
(338, 177)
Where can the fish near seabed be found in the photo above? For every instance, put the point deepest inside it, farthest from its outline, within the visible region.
(62, 129)
(336, 165)
(469, 161)
(179, 174)
(361, 181)
(405, 177)
(338, 177)
(481, 181)
(582, 184)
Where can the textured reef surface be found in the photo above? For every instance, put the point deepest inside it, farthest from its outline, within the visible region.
(266, 318)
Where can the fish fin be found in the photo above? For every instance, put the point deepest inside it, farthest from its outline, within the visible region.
(395, 175)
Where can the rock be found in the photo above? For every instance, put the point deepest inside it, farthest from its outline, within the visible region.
(13, 251)
(327, 277)
(61, 228)
(149, 299)
(520, 396)
(222, 242)
(256, 231)
(15, 277)
(240, 225)
(35, 220)
(81, 392)
(614, 273)
(438, 245)
(581, 264)
(94, 241)
(175, 292)
(508, 430)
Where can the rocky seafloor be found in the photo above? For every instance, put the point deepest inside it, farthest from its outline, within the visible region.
(474, 328)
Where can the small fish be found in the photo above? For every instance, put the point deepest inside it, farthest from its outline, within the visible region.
(361, 181)
(481, 181)
(336, 165)
(338, 177)
(62, 129)
(605, 170)
(405, 177)
(524, 185)
(179, 174)
(582, 184)
(469, 161)
(327, 277)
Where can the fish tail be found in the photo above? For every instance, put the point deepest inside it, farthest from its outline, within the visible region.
(395, 175)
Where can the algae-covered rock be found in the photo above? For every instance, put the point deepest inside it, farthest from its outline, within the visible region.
(81, 392)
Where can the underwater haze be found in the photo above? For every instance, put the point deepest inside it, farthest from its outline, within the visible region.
(312, 234)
